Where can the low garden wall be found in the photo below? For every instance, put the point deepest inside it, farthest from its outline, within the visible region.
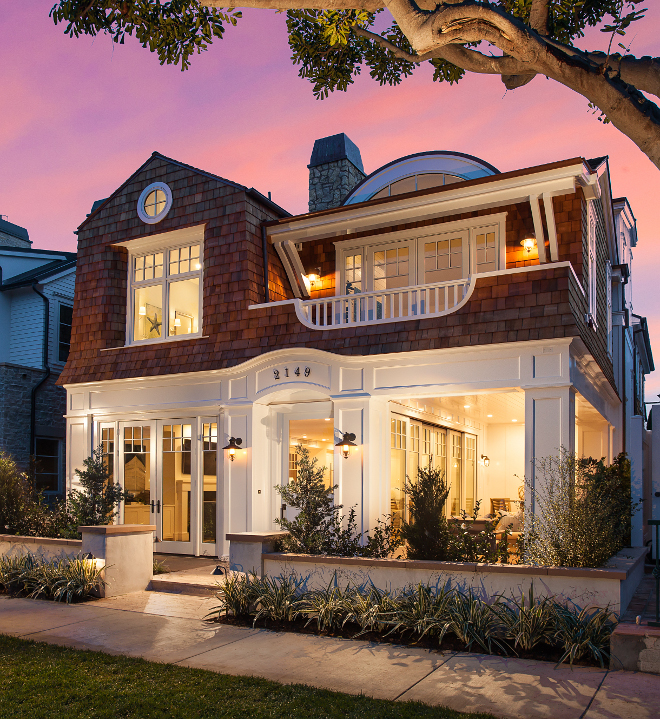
(11, 545)
(612, 585)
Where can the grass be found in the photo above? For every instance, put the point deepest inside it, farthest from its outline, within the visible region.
(41, 680)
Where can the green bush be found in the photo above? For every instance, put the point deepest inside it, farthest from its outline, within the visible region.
(582, 511)
(99, 500)
(63, 580)
(319, 526)
(23, 510)
(502, 626)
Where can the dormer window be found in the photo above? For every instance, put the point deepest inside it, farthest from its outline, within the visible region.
(165, 286)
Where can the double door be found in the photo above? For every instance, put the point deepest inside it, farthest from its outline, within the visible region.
(169, 467)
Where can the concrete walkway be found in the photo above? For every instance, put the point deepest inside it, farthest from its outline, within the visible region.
(168, 628)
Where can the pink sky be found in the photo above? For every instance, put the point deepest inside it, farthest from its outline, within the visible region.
(79, 116)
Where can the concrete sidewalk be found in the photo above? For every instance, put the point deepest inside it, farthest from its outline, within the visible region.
(168, 628)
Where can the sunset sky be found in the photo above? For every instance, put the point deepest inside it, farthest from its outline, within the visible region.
(77, 117)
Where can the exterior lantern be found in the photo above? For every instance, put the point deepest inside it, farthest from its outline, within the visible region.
(486, 460)
(347, 441)
(234, 444)
(529, 243)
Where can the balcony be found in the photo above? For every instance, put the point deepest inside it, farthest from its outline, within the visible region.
(382, 306)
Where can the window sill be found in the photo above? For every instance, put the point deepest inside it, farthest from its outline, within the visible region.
(150, 343)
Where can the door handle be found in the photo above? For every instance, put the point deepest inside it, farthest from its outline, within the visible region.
(282, 510)
(158, 506)
(152, 506)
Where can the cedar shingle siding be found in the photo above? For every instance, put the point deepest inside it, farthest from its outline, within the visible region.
(543, 304)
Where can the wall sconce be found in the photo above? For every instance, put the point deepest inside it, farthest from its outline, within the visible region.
(234, 444)
(347, 441)
(485, 460)
(313, 278)
(529, 244)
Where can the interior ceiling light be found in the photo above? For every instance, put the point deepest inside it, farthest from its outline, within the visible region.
(489, 415)
(514, 420)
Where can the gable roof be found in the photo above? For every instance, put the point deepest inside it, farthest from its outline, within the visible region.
(39, 274)
(99, 204)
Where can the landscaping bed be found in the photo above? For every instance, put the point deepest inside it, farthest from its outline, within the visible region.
(440, 618)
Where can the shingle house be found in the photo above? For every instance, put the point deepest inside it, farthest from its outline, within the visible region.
(36, 305)
(436, 309)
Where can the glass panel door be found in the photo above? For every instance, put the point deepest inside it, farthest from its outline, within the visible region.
(398, 443)
(470, 483)
(454, 501)
(209, 490)
(444, 257)
(136, 468)
(176, 486)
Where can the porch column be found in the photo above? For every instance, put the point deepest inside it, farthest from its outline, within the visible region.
(363, 477)
(549, 427)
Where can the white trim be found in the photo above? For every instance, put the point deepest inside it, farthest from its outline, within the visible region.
(148, 219)
(552, 227)
(538, 227)
(164, 240)
(462, 197)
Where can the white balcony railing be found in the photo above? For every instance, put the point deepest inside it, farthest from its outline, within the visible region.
(381, 306)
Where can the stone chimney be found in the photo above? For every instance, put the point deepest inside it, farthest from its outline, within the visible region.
(13, 236)
(335, 168)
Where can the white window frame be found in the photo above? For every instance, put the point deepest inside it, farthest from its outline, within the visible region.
(59, 328)
(608, 290)
(148, 219)
(163, 243)
(416, 238)
(592, 316)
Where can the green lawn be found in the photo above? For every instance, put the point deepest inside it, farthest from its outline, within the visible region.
(40, 680)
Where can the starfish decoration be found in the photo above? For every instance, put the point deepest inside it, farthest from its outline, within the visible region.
(155, 324)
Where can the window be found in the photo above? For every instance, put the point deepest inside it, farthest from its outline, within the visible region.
(416, 182)
(592, 267)
(47, 464)
(154, 203)
(405, 259)
(66, 319)
(165, 291)
(608, 288)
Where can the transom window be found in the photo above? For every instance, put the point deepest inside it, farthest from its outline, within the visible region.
(166, 294)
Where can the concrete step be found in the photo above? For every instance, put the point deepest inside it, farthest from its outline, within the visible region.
(198, 581)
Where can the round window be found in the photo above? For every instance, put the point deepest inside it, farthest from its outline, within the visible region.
(154, 203)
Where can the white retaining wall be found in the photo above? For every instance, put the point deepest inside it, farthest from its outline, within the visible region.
(12, 546)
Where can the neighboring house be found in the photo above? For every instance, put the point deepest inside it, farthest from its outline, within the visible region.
(36, 305)
(439, 310)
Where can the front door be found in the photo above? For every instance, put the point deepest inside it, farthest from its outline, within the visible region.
(159, 466)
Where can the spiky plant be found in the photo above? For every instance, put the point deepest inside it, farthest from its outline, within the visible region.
(584, 632)
(526, 623)
(328, 607)
(279, 598)
(473, 622)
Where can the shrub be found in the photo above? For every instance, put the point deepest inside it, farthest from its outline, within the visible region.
(329, 607)
(526, 624)
(99, 500)
(582, 511)
(237, 594)
(319, 526)
(427, 533)
(278, 599)
(584, 632)
(482, 546)
(23, 510)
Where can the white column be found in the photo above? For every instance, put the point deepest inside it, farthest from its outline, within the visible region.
(236, 482)
(363, 477)
(549, 427)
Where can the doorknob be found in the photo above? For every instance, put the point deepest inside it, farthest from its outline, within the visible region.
(152, 506)
(158, 506)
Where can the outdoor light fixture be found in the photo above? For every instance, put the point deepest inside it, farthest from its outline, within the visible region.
(312, 278)
(234, 444)
(347, 441)
(486, 460)
(529, 243)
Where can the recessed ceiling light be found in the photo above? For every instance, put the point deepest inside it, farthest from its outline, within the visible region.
(305, 436)
(489, 415)
(466, 406)
(514, 420)
(327, 419)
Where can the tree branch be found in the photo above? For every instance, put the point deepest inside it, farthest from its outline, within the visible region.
(369, 5)
(539, 16)
(642, 72)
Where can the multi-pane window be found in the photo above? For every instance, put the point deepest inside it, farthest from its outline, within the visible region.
(137, 474)
(486, 252)
(155, 203)
(443, 259)
(47, 461)
(64, 339)
(608, 287)
(176, 482)
(166, 293)
(210, 463)
(108, 451)
(399, 428)
(353, 273)
(391, 268)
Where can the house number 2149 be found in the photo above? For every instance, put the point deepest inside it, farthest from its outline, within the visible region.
(280, 374)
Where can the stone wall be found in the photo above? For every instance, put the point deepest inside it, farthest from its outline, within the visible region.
(331, 182)
(16, 384)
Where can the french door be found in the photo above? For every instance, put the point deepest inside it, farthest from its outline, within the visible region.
(170, 469)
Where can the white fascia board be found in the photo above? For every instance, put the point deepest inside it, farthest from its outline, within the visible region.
(58, 276)
(164, 240)
(458, 199)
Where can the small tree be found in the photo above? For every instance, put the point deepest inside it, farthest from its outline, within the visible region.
(99, 500)
(427, 533)
(317, 528)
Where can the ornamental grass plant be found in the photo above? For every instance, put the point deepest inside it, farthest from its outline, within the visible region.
(532, 627)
